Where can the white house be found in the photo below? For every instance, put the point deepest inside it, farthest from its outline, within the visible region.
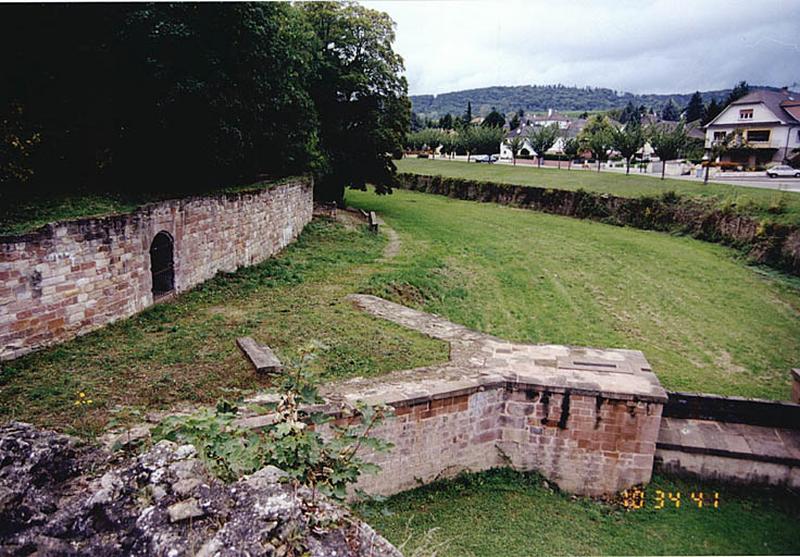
(767, 122)
(569, 128)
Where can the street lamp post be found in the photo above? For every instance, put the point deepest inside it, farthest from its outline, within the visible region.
(706, 162)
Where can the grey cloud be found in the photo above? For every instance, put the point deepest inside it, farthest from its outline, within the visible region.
(633, 46)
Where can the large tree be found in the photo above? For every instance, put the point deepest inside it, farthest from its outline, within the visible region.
(670, 112)
(159, 96)
(598, 137)
(695, 110)
(494, 120)
(628, 139)
(712, 111)
(738, 91)
(571, 148)
(541, 138)
(668, 141)
(515, 145)
(360, 95)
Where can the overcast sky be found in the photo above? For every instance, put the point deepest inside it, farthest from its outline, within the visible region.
(641, 47)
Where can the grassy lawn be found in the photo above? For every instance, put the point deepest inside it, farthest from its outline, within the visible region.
(503, 513)
(704, 320)
(752, 201)
(184, 351)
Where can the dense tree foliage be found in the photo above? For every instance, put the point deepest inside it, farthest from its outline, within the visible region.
(628, 139)
(668, 141)
(186, 96)
(494, 120)
(541, 138)
(695, 110)
(712, 111)
(361, 96)
(739, 91)
(598, 137)
(671, 112)
(541, 97)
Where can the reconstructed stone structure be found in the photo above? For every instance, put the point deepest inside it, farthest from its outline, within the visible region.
(587, 419)
(69, 278)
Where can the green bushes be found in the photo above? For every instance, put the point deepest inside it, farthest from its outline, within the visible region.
(772, 244)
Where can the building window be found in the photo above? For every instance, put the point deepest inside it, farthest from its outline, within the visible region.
(746, 114)
(719, 136)
(757, 135)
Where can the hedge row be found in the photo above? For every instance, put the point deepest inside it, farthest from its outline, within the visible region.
(775, 245)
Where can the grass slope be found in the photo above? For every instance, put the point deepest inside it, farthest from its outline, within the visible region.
(778, 206)
(503, 513)
(184, 351)
(704, 320)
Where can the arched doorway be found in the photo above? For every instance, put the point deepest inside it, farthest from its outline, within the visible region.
(162, 265)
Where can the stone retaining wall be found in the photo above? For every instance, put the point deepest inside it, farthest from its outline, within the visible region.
(585, 418)
(584, 443)
(69, 278)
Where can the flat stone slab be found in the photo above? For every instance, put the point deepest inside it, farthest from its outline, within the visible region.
(732, 440)
(479, 361)
(262, 357)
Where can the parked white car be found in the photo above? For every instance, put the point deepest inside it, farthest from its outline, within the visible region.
(491, 159)
(784, 171)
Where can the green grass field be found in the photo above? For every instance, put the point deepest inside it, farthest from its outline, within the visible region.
(502, 513)
(704, 320)
(774, 205)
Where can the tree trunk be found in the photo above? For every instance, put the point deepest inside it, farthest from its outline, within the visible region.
(627, 166)
(598, 165)
(569, 164)
(663, 168)
(559, 161)
(514, 158)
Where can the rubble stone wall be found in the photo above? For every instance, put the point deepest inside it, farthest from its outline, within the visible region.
(69, 278)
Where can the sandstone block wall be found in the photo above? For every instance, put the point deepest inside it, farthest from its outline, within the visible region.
(583, 442)
(69, 278)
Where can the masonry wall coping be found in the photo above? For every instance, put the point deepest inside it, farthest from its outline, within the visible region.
(480, 361)
(47, 231)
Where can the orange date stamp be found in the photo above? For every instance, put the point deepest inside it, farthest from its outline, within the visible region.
(635, 499)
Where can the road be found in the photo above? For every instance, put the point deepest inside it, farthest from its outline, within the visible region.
(746, 179)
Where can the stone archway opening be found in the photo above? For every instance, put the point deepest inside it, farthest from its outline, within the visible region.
(162, 266)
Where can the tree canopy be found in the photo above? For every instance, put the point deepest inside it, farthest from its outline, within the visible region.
(494, 120)
(695, 110)
(598, 137)
(542, 138)
(668, 141)
(173, 97)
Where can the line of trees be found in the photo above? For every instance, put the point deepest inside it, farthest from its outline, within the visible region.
(181, 96)
(668, 140)
(468, 140)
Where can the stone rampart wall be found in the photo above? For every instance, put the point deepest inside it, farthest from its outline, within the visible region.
(584, 443)
(69, 278)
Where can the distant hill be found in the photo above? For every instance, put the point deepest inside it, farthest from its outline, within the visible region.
(542, 97)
